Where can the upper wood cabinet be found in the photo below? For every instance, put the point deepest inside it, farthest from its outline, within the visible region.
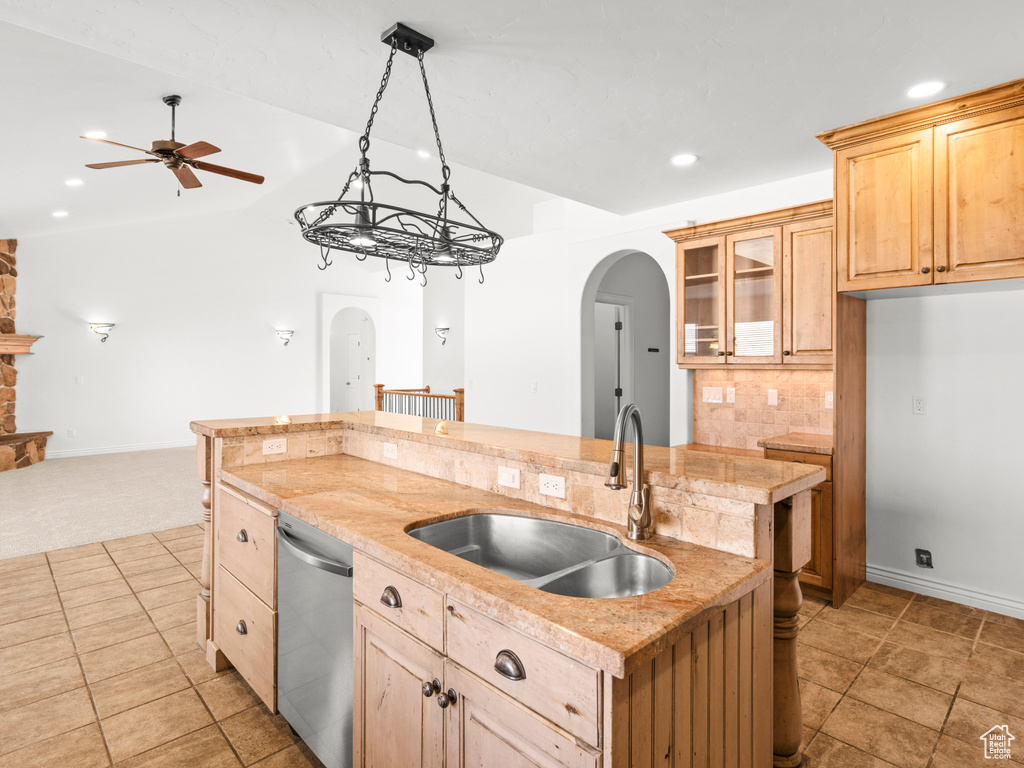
(756, 290)
(933, 194)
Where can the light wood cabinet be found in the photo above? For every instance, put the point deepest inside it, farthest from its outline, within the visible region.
(932, 195)
(757, 290)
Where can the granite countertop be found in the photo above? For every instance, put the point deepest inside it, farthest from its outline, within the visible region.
(742, 478)
(801, 442)
(371, 506)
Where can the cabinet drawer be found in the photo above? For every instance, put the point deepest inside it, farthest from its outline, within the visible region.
(820, 459)
(244, 629)
(561, 689)
(421, 612)
(246, 545)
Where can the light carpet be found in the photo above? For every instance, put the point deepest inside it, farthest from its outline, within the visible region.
(62, 503)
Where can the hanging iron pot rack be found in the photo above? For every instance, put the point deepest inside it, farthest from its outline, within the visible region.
(366, 227)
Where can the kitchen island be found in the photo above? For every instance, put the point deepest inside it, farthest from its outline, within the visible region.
(682, 672)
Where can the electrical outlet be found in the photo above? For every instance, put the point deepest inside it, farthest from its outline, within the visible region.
(920, 405)
(533, 387)
(712, 394)
(773, 397)
(552, 485)
(271, 447)
(72, 433)
(390, 450)
(730, 395)
(79, 379)
(830, 401)
(923, 558)
(508, 477)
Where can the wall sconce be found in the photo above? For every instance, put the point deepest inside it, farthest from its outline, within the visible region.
(285, 336)
(442, 334)
(103, 329)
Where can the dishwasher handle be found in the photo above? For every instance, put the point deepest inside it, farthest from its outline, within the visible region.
(342, 569)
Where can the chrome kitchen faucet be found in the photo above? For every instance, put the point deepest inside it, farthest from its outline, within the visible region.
(638, 522)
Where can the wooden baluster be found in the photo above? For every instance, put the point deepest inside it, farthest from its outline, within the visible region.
(460, 404)
(792, 551)
(378, 397)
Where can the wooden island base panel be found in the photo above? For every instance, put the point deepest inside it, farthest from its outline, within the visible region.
(682, 676)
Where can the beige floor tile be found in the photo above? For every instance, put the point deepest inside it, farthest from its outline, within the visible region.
(161, 578)
(952, 753)
(43, 719)
(12, 564)
(147, 564)
(138, 687)
(998, 661)
(81, 748)
(838, 640)
(73, 553)
(175, 614)
(1009, 621)
(23, 631)
(19, 593)
(124, 657)
(933, 671)
(95, 613)
(930, 641)
(121, 556)
(29, 608)
(21, 688)
(195, 666)
(909, 700)
(826, 752)
(1000, 693)
(190, 556)
(878, 602)
(961, 624)
(151, 725)
(106, 633)
(885, 589)
(76, 598)
(79, 579)
(35, 653)
(196, 568)
(173, 593)
(130, 542)
(817, 702)
(881, 734)
(26, 576)
(207, 748)
(178, 533)
(227, 695)
(865, 622)
(256, 734)
(946, 605)
(968, 721)
(182, 638)
(293, 757)
(1003, 635)
(64, 567)
(184, 542)
(826, 669)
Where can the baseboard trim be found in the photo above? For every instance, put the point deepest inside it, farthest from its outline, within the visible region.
(118, 449)
(1008, 606)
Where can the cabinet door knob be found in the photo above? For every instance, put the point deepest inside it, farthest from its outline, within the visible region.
(444, 699)
(391, 598)
(785, 353)
(721, 353)
(242, 536)
(429, 689)
(940, 268)
(508, 665)
(240, 627)
(925, 270)
(728, 354)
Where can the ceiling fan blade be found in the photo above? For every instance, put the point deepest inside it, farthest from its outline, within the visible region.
(199, 149)
(241, 175)
(126, 146)
(186, 177)
(122, 162)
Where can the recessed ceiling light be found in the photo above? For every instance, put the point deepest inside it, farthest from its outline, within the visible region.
(59, 214)
(96, 135)
(684, 159)
(423, 153)
(921, 90)
(74, 182)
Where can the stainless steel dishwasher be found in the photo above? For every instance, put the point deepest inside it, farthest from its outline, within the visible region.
(314, 638)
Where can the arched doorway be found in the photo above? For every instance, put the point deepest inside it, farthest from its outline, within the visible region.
(626, 326)
(351, 361)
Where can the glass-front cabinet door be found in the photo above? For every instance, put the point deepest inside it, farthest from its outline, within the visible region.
(754, 297)
(701, 301)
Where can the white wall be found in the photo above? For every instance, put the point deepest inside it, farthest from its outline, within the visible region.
(948, 481)
(444, 306)
(195, 307)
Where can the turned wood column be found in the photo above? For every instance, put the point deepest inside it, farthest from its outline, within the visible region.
(204, 471)
(792, 550)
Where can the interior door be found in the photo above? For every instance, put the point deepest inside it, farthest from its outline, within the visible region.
(353, 367)
(613, 367)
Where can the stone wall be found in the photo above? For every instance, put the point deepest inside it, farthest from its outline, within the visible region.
(8, 374)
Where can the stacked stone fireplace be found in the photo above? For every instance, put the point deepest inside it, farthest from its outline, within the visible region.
(16, 450)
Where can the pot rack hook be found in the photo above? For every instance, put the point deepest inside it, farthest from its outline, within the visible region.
(387, 266)
(481, 280)
(324, 254)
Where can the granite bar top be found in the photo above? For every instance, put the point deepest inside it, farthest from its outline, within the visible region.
(722, 449)
(371, 506)
(741, 478)
(801, 442)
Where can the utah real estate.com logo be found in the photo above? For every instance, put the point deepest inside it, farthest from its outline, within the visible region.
(997, 742)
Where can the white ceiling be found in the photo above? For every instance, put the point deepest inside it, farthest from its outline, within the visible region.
(585, 100)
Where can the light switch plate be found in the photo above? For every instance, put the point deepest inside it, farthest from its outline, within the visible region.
(773, 397)
(552, 485)
(712, 394)
(508, 477)
(390, 451)
(271, 447)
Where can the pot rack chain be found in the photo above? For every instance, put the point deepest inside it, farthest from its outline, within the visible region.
(446, 172)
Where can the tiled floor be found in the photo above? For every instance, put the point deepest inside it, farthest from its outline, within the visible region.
(896, 678)
(99, 665)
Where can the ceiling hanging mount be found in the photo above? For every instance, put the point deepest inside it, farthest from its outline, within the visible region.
(365, 227)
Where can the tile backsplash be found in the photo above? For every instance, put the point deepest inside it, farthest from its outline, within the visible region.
(801, 406)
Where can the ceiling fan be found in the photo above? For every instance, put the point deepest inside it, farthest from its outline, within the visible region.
(180, 158)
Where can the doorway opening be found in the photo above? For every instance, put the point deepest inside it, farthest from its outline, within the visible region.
(353, 344)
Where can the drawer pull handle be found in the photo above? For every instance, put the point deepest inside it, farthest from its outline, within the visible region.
(444, 699)
(508, 665)
(240, 627)
(391, 598)
(799, 461)
(242, 536)
(429, 689)
(940, 269)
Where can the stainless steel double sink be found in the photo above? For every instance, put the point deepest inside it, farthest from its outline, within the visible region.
(554, 557)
